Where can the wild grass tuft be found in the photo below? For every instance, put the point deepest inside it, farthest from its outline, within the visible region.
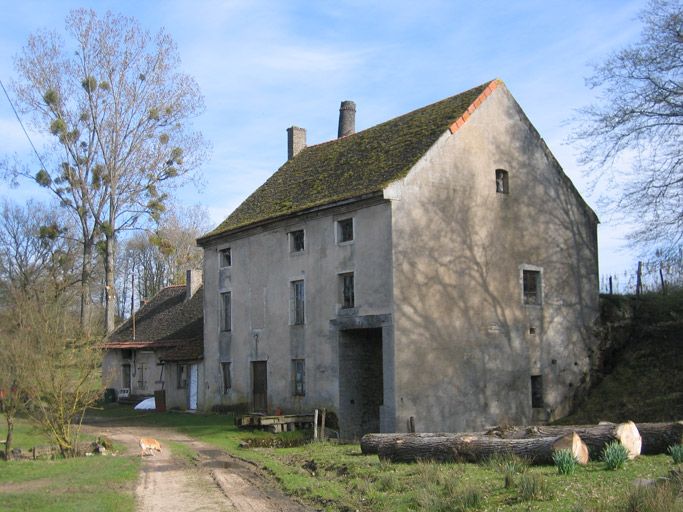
(565, 462)
(533, 487)
(676, 452)
(660, 497)
(509, 465)
(615, 455)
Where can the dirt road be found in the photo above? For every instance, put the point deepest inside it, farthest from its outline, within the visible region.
(211, 481)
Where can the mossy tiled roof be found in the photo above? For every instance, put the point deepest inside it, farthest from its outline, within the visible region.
(352, 166)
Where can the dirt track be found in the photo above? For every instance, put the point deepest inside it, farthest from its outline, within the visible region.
(212, 481)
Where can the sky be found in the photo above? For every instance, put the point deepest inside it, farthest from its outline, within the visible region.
(266, 65)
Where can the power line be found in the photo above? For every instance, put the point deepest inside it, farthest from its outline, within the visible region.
(16, 114)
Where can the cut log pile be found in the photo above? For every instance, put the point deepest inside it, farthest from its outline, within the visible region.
(535, 443)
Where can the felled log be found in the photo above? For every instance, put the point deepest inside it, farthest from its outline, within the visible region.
(370, 443)
(477, 448)
(596, 437)
(657, 437)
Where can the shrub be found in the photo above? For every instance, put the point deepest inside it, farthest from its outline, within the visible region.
(469, 499)
(565, 462)
(533, 487)
(676, 452)
(614, 455)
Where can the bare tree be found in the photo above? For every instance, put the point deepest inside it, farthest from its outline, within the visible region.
(160, 257)
(118, 111)
(638, 123)
(36, 245)
(55, 368)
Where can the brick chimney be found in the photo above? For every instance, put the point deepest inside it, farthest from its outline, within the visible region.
(296, 141)
(347, 119)
(193, 280)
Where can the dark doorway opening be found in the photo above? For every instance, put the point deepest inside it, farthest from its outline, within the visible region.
(259, 373)
(361, 388)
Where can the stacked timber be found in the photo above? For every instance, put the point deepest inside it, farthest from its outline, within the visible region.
(536, 444)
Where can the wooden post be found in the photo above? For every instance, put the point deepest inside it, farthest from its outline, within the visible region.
(315, 425)
(322, 425)
(661, 278)
(411, 423)
(610, 285)
(639, 278)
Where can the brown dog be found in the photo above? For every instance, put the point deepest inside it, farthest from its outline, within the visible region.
(148, 445)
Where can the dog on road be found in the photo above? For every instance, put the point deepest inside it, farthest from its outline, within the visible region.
(148, 445)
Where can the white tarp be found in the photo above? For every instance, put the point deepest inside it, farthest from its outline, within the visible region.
(146, 404)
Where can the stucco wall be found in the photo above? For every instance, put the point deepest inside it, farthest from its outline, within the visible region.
(260, 284)
(464, 348)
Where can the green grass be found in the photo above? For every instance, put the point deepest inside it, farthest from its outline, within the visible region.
(25, 434)
(345, 479)
(84, 484)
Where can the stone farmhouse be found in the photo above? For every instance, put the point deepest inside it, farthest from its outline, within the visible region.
(436, 270)
(160, 348)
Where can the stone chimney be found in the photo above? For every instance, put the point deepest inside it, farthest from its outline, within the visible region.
(347, 119)
(193, 280)
(296, 141)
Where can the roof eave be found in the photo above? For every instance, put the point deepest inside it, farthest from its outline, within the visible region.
(208, 239)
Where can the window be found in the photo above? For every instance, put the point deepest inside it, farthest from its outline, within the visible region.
(502, 185)
(226, 258)
(347, 293)
(226, 313)
(536, 391)
(181, 381)
(531, 284)
(298, 372)
(227, 377)
(296, 241)
(345, 230)
(297, 301)
(125, 376)
(126, 354)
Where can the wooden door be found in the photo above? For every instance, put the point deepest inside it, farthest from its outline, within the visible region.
(260, 385)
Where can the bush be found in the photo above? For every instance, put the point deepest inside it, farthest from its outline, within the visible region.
(615, 455)
(509, 465)
(533, 487)
(653, 498)
(676, 452)
(565, 462)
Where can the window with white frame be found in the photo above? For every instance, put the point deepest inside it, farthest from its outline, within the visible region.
(225, 257)
(299, 376)
(346, 290)
(296, 240)
(298, 302)
(226, 311)
(532, 287)
(344, 231)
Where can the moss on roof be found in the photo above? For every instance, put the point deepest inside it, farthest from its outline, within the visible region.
(352, 166)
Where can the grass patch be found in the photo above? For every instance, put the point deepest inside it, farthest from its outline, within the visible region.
(181, 451)
(565, 462)
(335, 477)
(676, 452)
(615, 455)
(83, 483)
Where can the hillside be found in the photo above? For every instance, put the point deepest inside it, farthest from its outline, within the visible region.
(641, 371)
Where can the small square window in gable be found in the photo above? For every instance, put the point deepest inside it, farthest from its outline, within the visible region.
(345, 230)
(502, 182)
(296, 240)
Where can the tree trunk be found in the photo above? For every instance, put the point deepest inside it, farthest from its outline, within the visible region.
(478, 448)
(596, 437)
(86, 274)
(10, 434)
(657, 437)
(370, 443)
(109, 285)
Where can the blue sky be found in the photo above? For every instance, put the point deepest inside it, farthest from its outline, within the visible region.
(267, 65)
